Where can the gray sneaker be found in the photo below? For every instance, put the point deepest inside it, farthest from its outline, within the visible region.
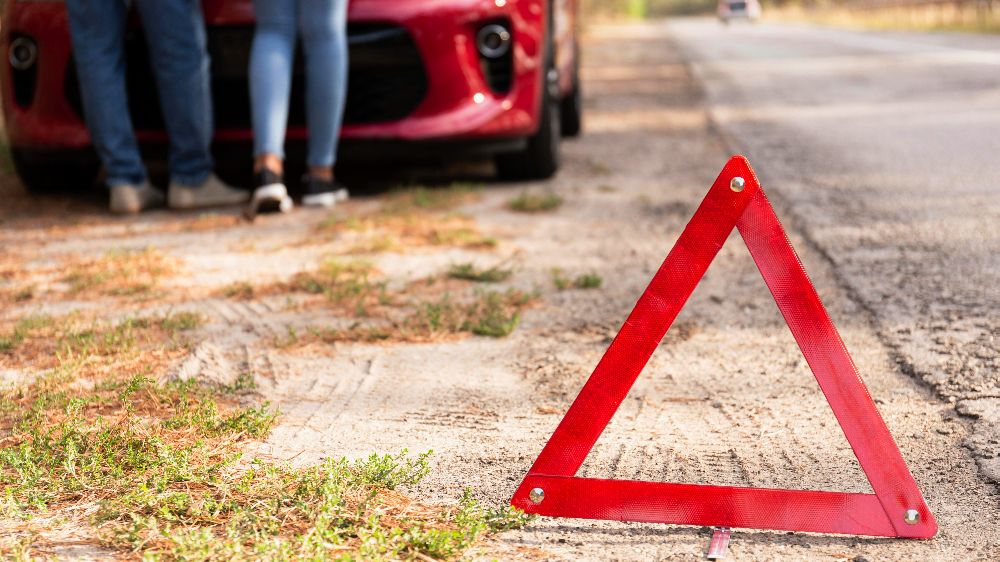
(211, 193)
(129, 199)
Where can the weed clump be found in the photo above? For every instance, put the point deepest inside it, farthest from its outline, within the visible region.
(469, 272)
(496, 314)
(584, 281)
(346, 284)
(528, 202)
(490, 313)
(588, 281)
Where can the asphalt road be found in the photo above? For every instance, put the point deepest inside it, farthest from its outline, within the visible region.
(883, 149)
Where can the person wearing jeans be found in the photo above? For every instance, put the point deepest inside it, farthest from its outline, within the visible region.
(322, 25)
(175, 34)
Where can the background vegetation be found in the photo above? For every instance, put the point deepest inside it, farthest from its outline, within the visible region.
(982, 16)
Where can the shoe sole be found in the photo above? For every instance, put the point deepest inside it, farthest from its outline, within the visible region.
(135, 202)
(271, 198)
(186, 201)
(327, 199)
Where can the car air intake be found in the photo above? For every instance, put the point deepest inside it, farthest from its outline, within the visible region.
(22, 56)
(494, 41)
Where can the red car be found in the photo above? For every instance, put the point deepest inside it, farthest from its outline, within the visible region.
(434, 77)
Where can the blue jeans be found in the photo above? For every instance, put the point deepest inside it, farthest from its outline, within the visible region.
(322, 24)
(175, 33)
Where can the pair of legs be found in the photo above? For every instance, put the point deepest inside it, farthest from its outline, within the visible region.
(322, 25)
(175, 32)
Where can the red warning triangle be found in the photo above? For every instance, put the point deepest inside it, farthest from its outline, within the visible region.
(896, 509)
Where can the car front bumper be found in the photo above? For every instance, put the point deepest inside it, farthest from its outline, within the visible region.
(458, 102)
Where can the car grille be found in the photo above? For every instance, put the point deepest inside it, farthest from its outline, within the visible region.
(386, 78)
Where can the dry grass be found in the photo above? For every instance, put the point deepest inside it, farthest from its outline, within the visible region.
(10, 265)
(119, 273)
(203, 222)
(370, 309)
(240, 290)
(412, 218)
(151, 470)
(16, 286)
(483, 313)
(131, 274)
(92, 347)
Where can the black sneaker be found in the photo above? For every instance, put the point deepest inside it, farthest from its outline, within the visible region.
(322, 193)
(271, 195)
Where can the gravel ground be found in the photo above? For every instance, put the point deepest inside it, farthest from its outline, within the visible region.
(726, 399)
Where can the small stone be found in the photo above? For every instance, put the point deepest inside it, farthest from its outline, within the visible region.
(716, 404)
(944, 430)
(860, 558)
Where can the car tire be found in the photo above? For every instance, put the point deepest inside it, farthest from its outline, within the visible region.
(53, 171)
(571, 107)
(540, 160)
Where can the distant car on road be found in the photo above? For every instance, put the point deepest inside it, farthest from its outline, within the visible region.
(442, 77)
(729, 10)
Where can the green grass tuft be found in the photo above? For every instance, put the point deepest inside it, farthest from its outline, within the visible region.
(588, 281)
(240, 290)
(421, 198)
(183, 321)
(23, 329)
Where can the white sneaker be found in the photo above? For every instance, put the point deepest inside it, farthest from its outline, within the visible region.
(129, 199)
(212, 192)
(322, 193)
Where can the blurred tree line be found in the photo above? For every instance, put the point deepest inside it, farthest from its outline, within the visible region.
(645, 8)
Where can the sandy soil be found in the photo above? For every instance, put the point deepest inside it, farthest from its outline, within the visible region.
(726, 399)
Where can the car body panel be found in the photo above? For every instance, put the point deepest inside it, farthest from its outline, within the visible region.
(729, 10)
